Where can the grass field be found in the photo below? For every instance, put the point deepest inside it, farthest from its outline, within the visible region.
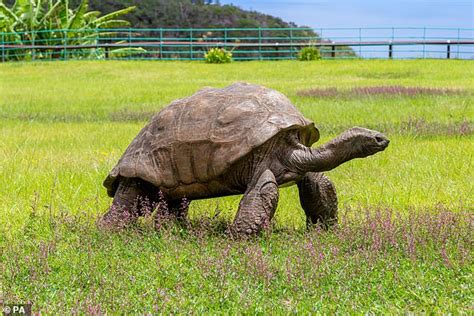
(404, 242)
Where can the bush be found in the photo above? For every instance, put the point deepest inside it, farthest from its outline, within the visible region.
(309, 53)
(218, 56)
(54, 23)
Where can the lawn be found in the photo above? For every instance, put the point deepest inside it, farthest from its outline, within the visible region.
(404, 241)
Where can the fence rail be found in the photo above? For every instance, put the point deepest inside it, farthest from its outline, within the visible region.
(246, 44)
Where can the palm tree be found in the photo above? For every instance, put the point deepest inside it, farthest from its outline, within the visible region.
(48, 22)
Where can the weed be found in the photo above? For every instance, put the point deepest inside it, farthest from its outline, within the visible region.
(309, 53)
(291, 267)
(218, 56)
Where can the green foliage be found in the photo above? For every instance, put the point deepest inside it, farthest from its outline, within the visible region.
(45, 22)
(186, 14)
(126, 52)
(309, 53)
(149, 14)
(218, 56)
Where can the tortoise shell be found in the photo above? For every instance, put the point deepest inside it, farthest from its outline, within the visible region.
(198, 138)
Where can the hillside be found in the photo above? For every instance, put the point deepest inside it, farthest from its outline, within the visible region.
(203, 14)
(185, 14)
(188, 14)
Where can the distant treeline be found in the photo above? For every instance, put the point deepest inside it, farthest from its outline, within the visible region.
(199, 14)
(187, 14)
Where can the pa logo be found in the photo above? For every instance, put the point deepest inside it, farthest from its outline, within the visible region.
(17, 310)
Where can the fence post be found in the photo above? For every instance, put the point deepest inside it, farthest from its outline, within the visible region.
(130, 43)
(65, 44)
(3, 48)
(424, 40)
(390, 49)
(225, 38)
(291, 43)
(96, 42)
(161, 43)
(33, 45)
(259, 43)
(459, 38)
(333, 51)
(448, 52)
(191, 44)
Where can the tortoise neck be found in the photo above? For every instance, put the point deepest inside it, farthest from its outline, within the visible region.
(324, 158)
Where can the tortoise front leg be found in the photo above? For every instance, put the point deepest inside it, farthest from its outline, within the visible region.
(258, 206)
(319, 199)
(132, 199)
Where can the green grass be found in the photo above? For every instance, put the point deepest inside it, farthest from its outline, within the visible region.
(64, 125)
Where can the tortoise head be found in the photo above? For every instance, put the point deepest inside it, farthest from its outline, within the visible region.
(362, 142)
(356, 142)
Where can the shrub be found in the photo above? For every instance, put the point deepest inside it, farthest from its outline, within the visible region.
(127, 52)
(218, 56)
(54, 23)
(309, 53)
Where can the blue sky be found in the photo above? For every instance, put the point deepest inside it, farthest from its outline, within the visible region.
(374, 14)
(368, 13)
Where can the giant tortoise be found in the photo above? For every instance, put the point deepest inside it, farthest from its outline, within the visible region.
(241, 139)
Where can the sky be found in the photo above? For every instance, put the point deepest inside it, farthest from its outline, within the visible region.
(368, 13)
(430, 14)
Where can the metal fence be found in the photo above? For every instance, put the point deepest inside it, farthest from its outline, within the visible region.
(245, 44)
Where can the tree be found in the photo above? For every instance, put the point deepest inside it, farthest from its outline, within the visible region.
(48, 22)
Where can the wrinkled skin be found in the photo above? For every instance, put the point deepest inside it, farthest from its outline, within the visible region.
(241, 139)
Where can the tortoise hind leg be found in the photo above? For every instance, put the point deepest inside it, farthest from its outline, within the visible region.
(133, 198)
(318, 199)
(257, 207)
